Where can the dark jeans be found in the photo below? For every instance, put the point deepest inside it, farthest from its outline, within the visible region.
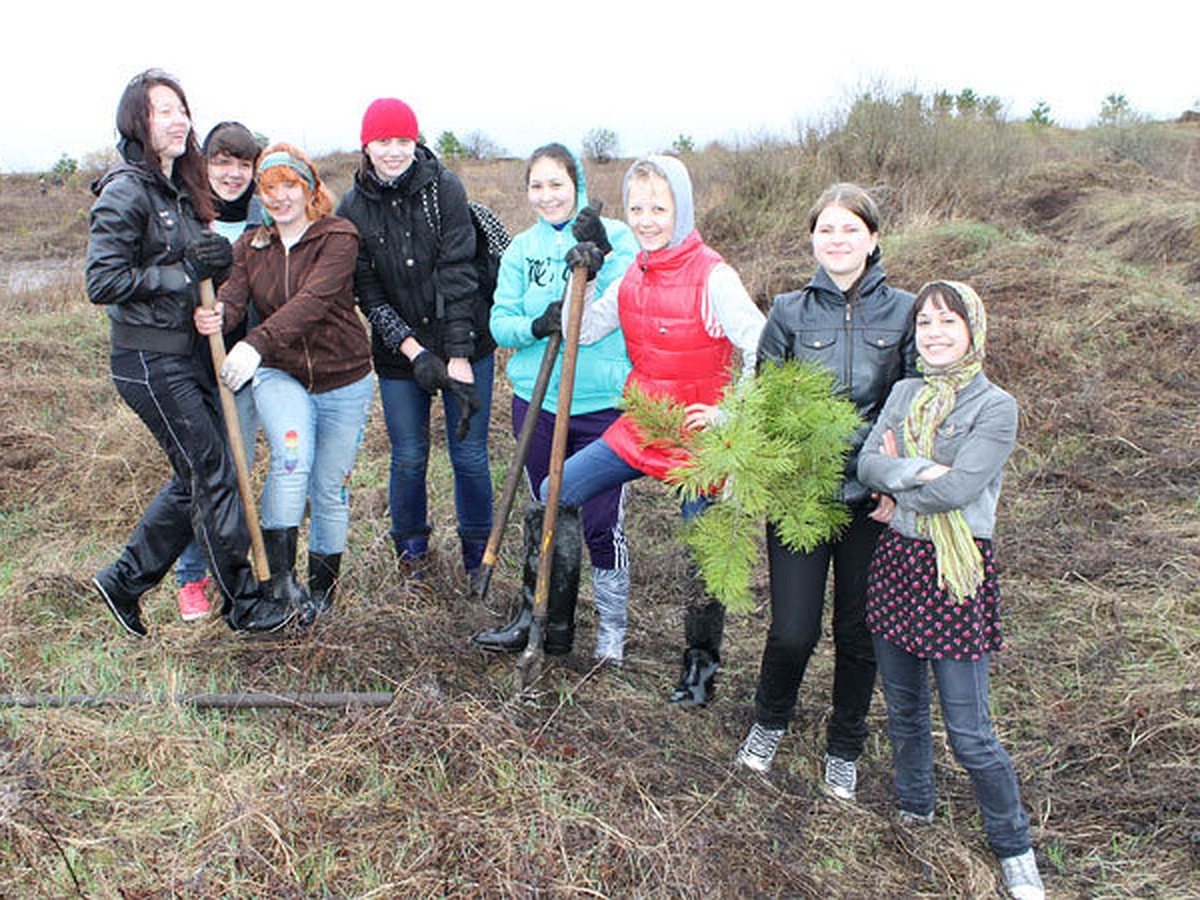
(963, 691)
(797, 604)
(603, 515)
(173, 397)
(406, 410)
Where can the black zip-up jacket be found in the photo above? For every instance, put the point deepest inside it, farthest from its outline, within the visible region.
(864, 338)
(140, 224)
(416, 273)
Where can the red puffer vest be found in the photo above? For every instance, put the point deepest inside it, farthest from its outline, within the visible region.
(661, 309)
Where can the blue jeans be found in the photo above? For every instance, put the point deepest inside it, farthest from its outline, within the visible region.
(963, 692)
(406, 410)
(314, 440)
(190, 565)
(597, 468)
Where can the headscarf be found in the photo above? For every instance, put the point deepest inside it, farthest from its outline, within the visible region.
(959, 563)
(676, 175)
(297, 165)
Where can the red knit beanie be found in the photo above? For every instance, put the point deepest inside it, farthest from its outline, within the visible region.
(388, 117)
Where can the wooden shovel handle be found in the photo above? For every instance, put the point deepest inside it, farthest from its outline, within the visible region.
(216, 344)
(558, 443)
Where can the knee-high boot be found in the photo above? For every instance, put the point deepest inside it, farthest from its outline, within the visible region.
(704, 626)
(563, 588)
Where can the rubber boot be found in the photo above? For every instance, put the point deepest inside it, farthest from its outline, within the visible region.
(323, 569)
(611, 590)
(564, 587)
(703, 626)
(472, 554)
(411, 553)
(280, 544)
(564, 582)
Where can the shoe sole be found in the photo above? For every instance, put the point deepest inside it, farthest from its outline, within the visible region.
(252, 631)
(753, 765)
(832, 792)
(196, 617)
(112, 608)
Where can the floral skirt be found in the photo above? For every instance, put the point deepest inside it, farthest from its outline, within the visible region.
(906, 608)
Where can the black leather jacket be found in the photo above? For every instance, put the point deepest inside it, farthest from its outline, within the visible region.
(865, 339)
(139, 226)
(416, 271)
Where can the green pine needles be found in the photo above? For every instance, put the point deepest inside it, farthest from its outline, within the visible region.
(777, 455)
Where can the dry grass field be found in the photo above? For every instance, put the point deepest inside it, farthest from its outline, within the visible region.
(1086, 255)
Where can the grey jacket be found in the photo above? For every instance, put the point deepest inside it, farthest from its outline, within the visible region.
(975, 441)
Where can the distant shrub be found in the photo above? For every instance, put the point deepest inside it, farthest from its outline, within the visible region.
(682, 145)
(601, 145)
(477, 145)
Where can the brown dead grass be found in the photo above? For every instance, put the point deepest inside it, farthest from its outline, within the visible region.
(593, 787)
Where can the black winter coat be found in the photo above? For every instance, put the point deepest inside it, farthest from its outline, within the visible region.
(865, 339)
(140, 224)
(416, 273)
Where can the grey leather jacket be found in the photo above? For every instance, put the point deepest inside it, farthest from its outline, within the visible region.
(975, 441)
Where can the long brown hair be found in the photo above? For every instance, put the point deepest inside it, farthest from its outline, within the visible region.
(133, 124)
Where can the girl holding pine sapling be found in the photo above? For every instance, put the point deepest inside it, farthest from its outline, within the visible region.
(939, 448)
(849, 320)
(683, 311)
(528, 309)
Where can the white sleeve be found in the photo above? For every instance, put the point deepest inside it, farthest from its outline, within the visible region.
(729, 312)
(600, 314)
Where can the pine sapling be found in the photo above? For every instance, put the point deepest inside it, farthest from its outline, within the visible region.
(776, 454)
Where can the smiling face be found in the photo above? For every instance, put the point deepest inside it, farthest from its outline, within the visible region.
(391, 157)
(650, 211)
(286, 199)
(229, 175)
(841, 243)
(169, 125)
(551, 191)
(943, 336)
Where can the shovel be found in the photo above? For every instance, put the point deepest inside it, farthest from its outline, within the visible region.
(529, 665)
(216, 344)
(513, 479)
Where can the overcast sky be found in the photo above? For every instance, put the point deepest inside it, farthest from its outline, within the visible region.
(525, 73)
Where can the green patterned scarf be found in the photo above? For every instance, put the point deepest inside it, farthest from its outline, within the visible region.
(959, 564)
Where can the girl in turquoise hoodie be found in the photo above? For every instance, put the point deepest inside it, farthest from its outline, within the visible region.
(527, 309)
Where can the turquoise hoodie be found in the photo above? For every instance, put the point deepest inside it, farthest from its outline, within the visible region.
(533, 273)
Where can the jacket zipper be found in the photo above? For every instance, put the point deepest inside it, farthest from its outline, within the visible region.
(849, 348)
(287, 293)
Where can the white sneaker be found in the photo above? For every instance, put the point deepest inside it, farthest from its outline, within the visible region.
(1021, 877)
(758, 750)
(841, 777)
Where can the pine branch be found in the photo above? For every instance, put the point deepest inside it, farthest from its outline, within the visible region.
(777, 455)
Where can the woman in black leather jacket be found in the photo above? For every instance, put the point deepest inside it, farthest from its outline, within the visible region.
(850, 320)
(148, 249)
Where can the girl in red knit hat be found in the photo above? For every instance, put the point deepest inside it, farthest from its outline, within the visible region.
(417, 285)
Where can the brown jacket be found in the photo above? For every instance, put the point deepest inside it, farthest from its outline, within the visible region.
(304, 297)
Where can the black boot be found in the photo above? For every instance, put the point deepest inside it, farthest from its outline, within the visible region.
(564, 587)
(564, 582)
(323, 570)
(704, 626)
(281, 557)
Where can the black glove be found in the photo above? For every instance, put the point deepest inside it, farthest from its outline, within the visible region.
(429, 372)
(209, 256)
(468, 404)
(585, 254)
(549, 322)
(588, 227)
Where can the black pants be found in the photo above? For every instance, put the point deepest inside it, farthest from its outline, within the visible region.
(797, 603)
(174, 397)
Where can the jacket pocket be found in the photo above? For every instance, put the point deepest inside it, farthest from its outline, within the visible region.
(885, 340)
(816, 342)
